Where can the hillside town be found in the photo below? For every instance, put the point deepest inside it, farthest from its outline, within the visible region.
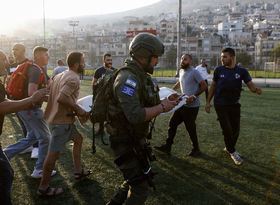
(252, 29)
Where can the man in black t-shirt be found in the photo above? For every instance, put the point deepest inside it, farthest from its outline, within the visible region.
(8, 106)
(107, 64)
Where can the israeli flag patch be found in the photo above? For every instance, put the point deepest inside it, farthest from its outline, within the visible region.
(128, 91)
(131, 83)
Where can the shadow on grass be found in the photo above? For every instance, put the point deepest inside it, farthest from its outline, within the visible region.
(199, 184)
(85, 191)
(189, 180)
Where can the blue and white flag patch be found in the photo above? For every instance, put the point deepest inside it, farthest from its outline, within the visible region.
(128, 91)
(131, 83)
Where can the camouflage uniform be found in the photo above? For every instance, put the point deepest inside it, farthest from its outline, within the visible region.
(134, 91)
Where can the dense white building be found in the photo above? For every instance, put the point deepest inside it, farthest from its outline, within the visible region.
(226, 27)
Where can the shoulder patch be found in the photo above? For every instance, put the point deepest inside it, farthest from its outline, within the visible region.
(128, 91)
(131, 83)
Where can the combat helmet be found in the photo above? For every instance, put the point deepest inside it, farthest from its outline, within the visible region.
(146, 45)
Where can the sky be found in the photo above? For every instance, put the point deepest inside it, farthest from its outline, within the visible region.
(14, 12)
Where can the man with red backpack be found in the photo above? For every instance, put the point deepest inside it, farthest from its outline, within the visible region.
(33, 77)
(19, 56)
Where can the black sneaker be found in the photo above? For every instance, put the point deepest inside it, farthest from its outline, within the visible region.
(194, 152)
(164, 148)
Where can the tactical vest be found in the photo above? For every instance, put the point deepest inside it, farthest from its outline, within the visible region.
(149, 97)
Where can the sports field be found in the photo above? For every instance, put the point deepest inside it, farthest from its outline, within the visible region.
(211, 178)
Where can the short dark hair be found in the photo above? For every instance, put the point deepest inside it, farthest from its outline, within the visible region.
(74, 57)
(189, 55)
(229, 50)
(60, 62)
(105, 55)
(38, 49)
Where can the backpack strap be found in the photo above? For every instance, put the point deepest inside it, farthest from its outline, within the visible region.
(31, 63)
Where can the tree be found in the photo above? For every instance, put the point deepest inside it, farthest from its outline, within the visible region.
(244, 58)
(171, 56)
(275, 53)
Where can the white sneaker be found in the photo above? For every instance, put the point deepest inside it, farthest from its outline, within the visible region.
(236, 158)
(39, 173)
(34, 153)
(225, 150)
(28, 149)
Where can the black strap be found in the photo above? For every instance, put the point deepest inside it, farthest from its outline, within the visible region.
(128, 155)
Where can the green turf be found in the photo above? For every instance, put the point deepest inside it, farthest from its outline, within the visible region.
(210, 179)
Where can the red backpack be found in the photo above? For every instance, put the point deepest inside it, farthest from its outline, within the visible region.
(17, 87)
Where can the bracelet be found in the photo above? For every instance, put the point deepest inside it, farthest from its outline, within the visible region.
(163, 107)
(194, 97)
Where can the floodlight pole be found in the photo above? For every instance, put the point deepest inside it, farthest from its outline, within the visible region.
(179, 38)
(44, 22)
(74, 24)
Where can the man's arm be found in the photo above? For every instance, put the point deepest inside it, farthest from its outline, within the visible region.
(67, 101)
(176, 86)
(94, 80)
(253, 88)
(32, 88)
(201, 89)
(10, 106)
(210, 96)
(165, 105)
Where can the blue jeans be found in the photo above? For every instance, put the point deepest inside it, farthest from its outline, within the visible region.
(6, 179)
(37, 130)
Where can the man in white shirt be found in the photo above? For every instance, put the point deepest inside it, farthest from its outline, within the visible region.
(204, 70)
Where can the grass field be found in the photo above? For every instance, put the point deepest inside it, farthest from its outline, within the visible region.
(211, 178)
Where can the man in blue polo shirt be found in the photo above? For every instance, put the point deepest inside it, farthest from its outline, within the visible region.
(226, 87)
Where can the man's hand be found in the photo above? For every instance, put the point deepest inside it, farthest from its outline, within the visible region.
(191, 99)
(39, 95)
(173, 97)
(170, 104)
(207, 107)
(259, 91)
(80, 112)
(84, 118)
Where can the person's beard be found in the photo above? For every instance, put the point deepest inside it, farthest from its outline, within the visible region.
(227, 63)
(80, 69)
(108, 65)
(149, 69)
(184, 66)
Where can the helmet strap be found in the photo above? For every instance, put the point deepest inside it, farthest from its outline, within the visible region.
(145, 66)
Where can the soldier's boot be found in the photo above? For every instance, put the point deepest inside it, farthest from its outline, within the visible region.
(166, 148)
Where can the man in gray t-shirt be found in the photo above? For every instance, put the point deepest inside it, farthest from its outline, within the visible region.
(191, 84)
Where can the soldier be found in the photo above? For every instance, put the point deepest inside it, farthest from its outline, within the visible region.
(136, 103)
